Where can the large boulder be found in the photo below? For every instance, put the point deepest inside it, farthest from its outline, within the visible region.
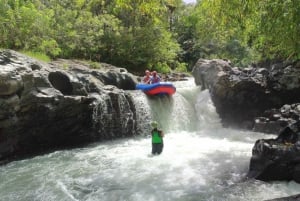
(279, 158)
(45, 107)
(272, 160)
(289, 198)
(264, 99)
(241, 94)
(272, 120)
(11, 82)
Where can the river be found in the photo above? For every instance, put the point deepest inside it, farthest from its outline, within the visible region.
(201, 161)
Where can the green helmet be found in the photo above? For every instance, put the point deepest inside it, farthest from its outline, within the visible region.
(154, 124)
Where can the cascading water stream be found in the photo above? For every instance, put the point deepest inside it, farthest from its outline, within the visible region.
(201, 161)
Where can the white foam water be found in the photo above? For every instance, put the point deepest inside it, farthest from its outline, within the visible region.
(200, 161)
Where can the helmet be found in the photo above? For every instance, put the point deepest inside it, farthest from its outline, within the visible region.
(154, 124)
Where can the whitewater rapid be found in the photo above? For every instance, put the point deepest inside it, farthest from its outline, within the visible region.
(201, 161)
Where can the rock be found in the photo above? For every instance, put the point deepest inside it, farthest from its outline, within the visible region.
(205, 71)
(9, 106)
(10, 81)
(107, 74)
(120, 80)
(44, 107)
(273, 120)
(289, 198)
(267, 96)
(238, 98)
(241, 95)
(277, 159)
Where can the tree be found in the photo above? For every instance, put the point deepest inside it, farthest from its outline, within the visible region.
(279, 35)
(24, 27)
(243, 30)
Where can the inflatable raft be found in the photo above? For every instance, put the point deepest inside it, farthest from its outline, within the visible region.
(161, 88)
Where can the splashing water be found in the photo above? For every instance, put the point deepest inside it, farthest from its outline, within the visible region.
(200, 161)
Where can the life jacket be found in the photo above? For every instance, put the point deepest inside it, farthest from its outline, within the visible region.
(155, 79)
(147, 79)
(156, 136)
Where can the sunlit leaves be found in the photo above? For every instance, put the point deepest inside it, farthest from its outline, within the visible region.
(280, 25)
(242, 30)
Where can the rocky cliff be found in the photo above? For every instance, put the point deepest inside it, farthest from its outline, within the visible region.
(45, 106)
(243, 94)
(264, 99)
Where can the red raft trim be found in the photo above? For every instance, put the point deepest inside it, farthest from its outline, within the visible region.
(161, 90)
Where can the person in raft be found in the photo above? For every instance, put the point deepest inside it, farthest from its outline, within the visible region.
(157, 139)
(155, 78)
(147, 77)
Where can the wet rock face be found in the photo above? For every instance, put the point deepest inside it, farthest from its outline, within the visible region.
(278, 158)
(272, 120)
(43, 107)
(289, 198)
(114, 115)
(61, 82)
(264, 99)
(240, 95)
(273, 160)
(10, 81)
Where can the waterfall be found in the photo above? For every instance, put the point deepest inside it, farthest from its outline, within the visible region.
(206, 112)
(201, 160)
(113, 116)
(175, 113)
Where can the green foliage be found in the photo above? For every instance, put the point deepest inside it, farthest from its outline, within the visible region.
(25, 27)
(241, 30)
(65, 66)
(181, 67)
(279, 28)
(50, 47)
(37, 55)
(162, 68)
(163, 35)
(144, 39)
(94, 65)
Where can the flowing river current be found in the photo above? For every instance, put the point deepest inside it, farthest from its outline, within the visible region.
(201, 161)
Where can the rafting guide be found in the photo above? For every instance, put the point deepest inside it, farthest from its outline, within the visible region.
(157, 139)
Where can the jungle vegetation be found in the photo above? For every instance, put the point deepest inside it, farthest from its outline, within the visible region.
(162, 34)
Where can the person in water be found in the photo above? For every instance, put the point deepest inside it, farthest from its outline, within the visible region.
(155, 78)
(157, 139)
(147, 77)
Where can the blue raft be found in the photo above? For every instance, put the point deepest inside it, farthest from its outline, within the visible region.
(161, 88)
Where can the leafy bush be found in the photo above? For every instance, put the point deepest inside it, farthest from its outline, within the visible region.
(37, 55)
(181, 67)
(94, 65)
(162, 68)
(50, 47)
